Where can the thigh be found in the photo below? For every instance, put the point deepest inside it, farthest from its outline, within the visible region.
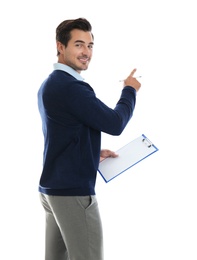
(54, 244)
(80, 225)
(94, 228)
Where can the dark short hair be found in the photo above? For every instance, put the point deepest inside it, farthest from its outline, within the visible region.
(63, 31)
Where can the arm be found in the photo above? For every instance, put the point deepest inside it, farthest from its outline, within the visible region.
(79, 101)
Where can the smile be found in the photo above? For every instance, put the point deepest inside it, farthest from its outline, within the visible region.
(84, 59)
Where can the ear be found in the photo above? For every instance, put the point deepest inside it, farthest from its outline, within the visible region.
(60, 47)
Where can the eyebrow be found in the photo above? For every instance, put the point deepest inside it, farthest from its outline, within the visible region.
(79, 41)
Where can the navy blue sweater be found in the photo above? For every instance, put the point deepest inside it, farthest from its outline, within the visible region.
(72, 121)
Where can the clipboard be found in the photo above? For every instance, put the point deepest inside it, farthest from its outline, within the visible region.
(129, 155)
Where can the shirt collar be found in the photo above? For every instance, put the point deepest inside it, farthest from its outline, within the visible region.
(69, 70)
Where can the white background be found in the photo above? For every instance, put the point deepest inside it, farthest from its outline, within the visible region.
(150, 211)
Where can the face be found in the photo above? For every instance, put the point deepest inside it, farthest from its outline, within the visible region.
(78, 52)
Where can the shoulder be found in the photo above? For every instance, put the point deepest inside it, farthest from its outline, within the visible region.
(59, 82)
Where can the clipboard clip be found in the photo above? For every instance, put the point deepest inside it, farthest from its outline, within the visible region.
(147, 142)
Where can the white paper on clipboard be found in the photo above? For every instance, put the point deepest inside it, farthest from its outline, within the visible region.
(129, 155)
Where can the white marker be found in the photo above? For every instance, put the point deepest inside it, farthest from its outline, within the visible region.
(125, 79)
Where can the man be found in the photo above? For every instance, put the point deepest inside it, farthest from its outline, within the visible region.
(73, 119)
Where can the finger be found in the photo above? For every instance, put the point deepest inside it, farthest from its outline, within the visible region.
(132, 72)
(114, 155)
(110, 154)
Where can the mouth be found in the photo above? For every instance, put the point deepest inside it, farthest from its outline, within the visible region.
(84, 59)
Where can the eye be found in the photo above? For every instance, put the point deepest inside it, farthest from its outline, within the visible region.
(79, 45)
(90, 46)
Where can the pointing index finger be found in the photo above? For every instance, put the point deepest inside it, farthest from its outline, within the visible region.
(132, 72)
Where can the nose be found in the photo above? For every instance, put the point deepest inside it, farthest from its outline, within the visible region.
(87, 50)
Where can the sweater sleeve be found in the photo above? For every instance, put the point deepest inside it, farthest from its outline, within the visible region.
(91, 111)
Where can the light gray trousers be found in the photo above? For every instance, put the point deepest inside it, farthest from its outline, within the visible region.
(73, 228)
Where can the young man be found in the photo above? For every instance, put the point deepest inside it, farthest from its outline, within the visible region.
(72, 120)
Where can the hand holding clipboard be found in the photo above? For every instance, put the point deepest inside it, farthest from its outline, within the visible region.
(129, 155)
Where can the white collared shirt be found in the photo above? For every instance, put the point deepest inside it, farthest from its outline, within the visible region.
(69, 70)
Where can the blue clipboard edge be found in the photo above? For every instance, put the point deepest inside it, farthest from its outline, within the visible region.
(156, 149)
